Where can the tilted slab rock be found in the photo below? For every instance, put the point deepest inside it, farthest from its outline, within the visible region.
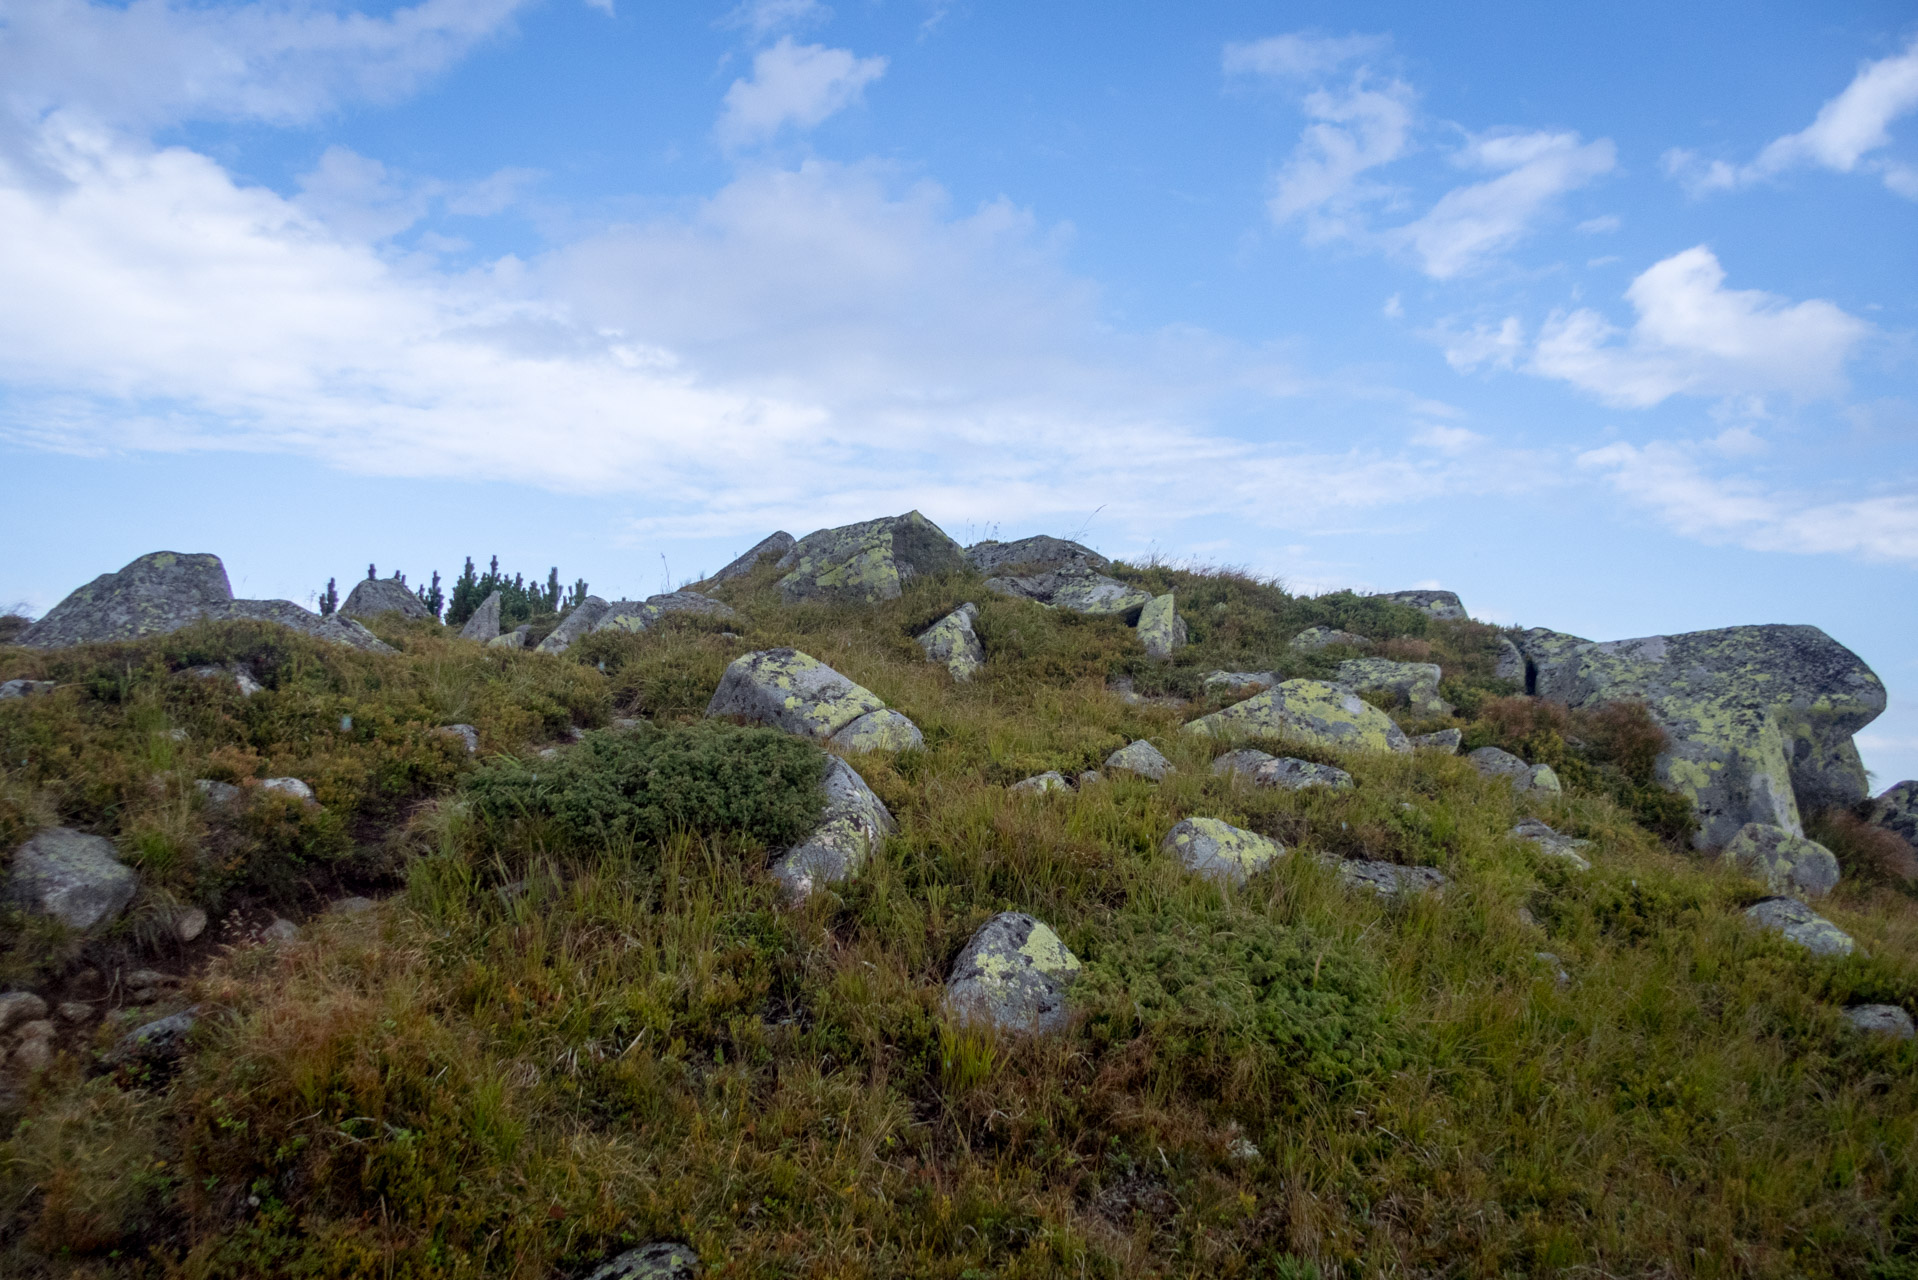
(1760, 718)
(853, 824)
(1388, 879)
(881, 730)
(1414, 683)
(1142, 758)
(1263, 770)
(952, 640)
(1161, 629)
(483, 626)
(1787, 863)
(1554, 845)
(869, 561)
(1511, 662)
(372, 597)
(1033, 555)
(576, 625)
(1240, 679)
(1013, 975)
(638, 615)
(1494, 763)
(775, 545)
(1307, 711)
(1443, 605)
(790, 690)
(1220, 851)
(76, 878)
(1324, 637)
(1800, 924)
(1076, 590)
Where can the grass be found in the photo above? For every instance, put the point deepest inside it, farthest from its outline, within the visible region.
(638, 1040)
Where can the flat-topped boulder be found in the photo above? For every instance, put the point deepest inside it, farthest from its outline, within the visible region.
(1760, 718)
(1076, 589)
(1442, 605)
(1264, 770)
(374, 597)
(1311, 711)
(1413, 683)
(869, 561)
(1033, 555)
(639, 615)
(1012, 975)
(774, 545)
(852, 826)
(952, 641)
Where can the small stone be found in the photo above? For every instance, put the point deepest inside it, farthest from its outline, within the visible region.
(1089, 777)
(1881, 1019)
(148, 980)
(218, 794)
(281, 930)
(466, 733)
(626, 724)
(157, 1041)
(1241, 1151)
(25, 688)
(76, 1011)
(660, 1260)
(1555, 966)
(177, 735)
(1388, 879)
(1526, 918)
(288, 787)
(1220, 851)
(1142, 758)
(189, 924)
(352, 906)
(17, 1007)
(1321, 637)
(1800, 924)
(1051, 780)
(1552, 844)
(1445, 741)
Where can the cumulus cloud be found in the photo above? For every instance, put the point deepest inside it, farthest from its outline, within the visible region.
(793, 84)
(1693, 336)
(1844, 137)
(1471, 223)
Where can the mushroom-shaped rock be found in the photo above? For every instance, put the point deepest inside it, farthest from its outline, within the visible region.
(639, 615)
(1324, 637)
(374, 597)
(1263, 770)
(1759, 719)
(1443, 605)
(881, 730)
(1413, 683)
(774, 545)
(483, 626)
(1388, 879)
(867, 562)
(577, 624)
(1494, 763)
(1552, 844)
(1307, 711)
(790, 690)
(1800, 924)
(75, 878)
(1013, 975)
(1076, 590)
(1220, 851)
(1142, 758)
(1161, 629)
(852, 825)
(1445, 741)
(1038, 784)
(1787, 863)
(1881, 1019)
(952, 640)
(660, 1260)
(1224, 680)
(1033, 555)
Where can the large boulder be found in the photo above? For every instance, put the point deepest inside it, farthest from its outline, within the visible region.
(853, 824)
(1413, 683)
(638, 615)
(1033, 555)
(372, 597)
(1443, 605)
(1013, 976)
(579, 623)
(775, 545)
(952, 640)
(1307, 711)
(1760, 718)
(1076, 589)
(1220, 851)
(868, 561)
(1787, 863)
(75, 878)
(793, 691)
(1161, 629)
(483, 626)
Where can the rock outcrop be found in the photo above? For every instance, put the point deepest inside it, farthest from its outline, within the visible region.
(1310, 711)
(1161, 629)
(1077, 590)
(1220, 851)
(1760, 718)
(1263, 770)
(1012, 975)
(852, 826)
(1225, 680)
(796, 692)
(483, 626)
(1443, 605)
(75, 878)
(579, 623)
(1511, 662)
(1413, 683)
(869, 561)
(638, 615)
(332, 628)
(1040, 554)
(1786, 863)
(952, 640)
(374, 597)
(775, 545)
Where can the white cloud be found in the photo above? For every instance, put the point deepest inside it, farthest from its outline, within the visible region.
(1843, 136)
(1471, 223)
(1299, 55)
(1599, 225)
(1451, 440)
(796, 84)
(1354, 130)
(1693, 336)
(1483, 345)
(761, 18)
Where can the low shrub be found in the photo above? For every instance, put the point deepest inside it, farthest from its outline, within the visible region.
(1866, 850)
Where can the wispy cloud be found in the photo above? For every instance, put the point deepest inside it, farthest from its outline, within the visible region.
(1472, 223)
(793, 84)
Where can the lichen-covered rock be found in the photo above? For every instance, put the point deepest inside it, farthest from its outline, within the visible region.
(483, 626)
(288, 787)
(852, 825)
(1494, 763)
(639, 615)
(1413, 683)
(1223, 680)
(1033, 555)
(1760, 718)
(75, 878)
(1553, 845)
(867, 562)
(514, 639)
(1445, 741)
(952, 640)
(1443, 605)
(372, 597)
(1307, 711)
(25, 688)
(1220, 851)
(161, 1040)
(881, 730)
(1263, 770)
(332, 628)
(1013, 975)
(1897, 811)
(790, 690)
(1511, 662)
(1039, 783)
(1388, 879)
(1076, 589)
(774, 545)
(1800, 924)
(1787, 863)
(1324, 637)
(660, 1260)
(1142, 758)
(1161, 629)
(1881, 1019)
(577, 624)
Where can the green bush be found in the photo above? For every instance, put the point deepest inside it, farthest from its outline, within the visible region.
(638, 786)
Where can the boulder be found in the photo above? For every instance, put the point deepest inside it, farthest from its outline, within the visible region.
(157, 593)
(1388, 879)
(1220, 851)
(869, 561)
(576, 625)
(1881, 1019)
(1446, 741)
(373, 597)
(218, 794)
(25, 688)
(1897, 811)
(1263, 770)
(333, 628)
(1142, 758)
(33, 1048)
(881, 730)
(1307, 711)
(280, 930)
(1760, 718)
(1787, 863)
(161, 1040)
(660, 1260)
(850, 828)
(790, 690)
(1038, 784)
(1161, 629)
(1494, 763)
(76, 878)
(466, 733)
(952, 640)
(1222, 680)
(288, 787)
(1012, 975)
(514, 639)
(774, 545)
(1511, 662)
(483, 626)
(1323, 637)
(638, 615)
(1033, 555)
(1076, 590)
(17, 1007)
(1800, 924)
(1552, 844)
(1443, 605)
(1413, 683)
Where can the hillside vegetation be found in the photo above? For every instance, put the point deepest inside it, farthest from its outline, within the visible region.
(584, 1016)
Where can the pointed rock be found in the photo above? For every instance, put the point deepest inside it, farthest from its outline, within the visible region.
(852, 826)
(483, 626)
(776, 545)
(1161, 629)
(952, 640)
(1013, 975)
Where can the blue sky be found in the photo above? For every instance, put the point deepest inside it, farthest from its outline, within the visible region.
(1602, 318)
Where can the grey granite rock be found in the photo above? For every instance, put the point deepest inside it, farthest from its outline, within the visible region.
(374, 597)
(577, 624)
(25, 688)
(1388, 879)
(288, 787)
(1161, 630)
(1076, 589)
(1414, 683)
(1142, 758)
(869, 561)
(660, 1260)
(1881, 1019)
(952, 641)
(161, 1040)
(641, 615)
(1220, 851)
(1012, 975)
(774, 545)
(1445, 741)
(852, 826)
(1263, 770)
(1787, 863)
(1800, 924)
(1033, 555)
(1324, 637)
(75, 878)
(483, 626)
(17, 1007)
(1443, 605)
(466, 733)
(1038, 784)
(790, 690)
(1553, 845)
